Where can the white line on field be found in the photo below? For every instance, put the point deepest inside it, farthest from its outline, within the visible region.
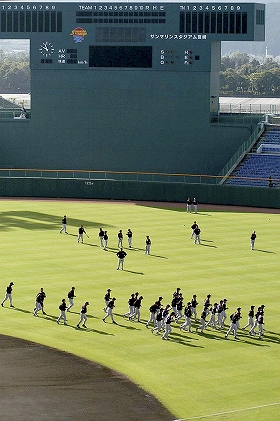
(227, 412)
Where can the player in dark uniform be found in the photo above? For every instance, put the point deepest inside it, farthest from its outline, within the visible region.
(207, 303)
(159, 319)
(71, 295)
(131, 302)
(81, 232)
(212, 321)
(8, 295)
(153, 311)
(101, 237)
(250, 318)
(235, 317)
(202, 320)
(137, 306)
(107, 298)
(62, 307)
(258, 313)
(188, 313)
(110, 307)
(193, 227)
(120, 238)
(121, 255)
(129, 237)
(194, 304)
(105, 238)
(179, 306)
(197, 235)
(64, 225)
(39, 302)
(83, 315)
(168, 320)
(148, 245)
(252, 239)
(189, 205)
(195, 204)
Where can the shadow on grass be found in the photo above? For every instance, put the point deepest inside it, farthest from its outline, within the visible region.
(265, 251)
(181, 208)
(39, 221)
(21, 310)
(208, 245)
(183, 340)
(131, 271)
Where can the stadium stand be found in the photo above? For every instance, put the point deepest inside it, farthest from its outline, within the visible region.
(261, 163)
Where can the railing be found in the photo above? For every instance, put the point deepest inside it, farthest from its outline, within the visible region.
(90, 176)
(236, 118)
(242, 150)
(14, 114)
(253, 108)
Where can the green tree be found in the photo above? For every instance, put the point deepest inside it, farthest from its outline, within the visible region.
(14, 73)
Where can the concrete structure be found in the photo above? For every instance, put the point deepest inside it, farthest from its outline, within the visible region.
(125, 86)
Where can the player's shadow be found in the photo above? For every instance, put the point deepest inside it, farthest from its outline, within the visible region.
(208, 245)
(132, 271)
(265, 251)
(22, 310)
(183, 340)
(88, 330)
(156, 255)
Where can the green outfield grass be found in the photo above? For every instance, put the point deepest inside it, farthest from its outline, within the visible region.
(194, 375)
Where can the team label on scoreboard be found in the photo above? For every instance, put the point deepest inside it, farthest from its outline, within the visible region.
(125, 7)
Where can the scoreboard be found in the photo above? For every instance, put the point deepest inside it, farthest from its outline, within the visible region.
(162, 36)
(127, 86)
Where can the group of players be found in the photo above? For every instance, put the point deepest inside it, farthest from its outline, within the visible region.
(161, 317)
(103, 239)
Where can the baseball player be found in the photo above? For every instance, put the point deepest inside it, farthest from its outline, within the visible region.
(109, 310)
(64, 225)
(71, 295)
(83, 315)
(62, 307)
(8, 295)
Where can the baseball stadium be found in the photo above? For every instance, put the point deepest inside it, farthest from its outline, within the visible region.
(124, 124)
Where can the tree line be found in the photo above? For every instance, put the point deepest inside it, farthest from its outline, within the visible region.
(14, 72)
(243, 75)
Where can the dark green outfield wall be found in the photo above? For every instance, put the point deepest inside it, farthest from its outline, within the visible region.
(133, 190)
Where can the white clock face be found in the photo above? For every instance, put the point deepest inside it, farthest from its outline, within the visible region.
(46, 49)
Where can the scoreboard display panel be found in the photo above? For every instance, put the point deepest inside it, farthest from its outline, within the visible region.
(161, 36)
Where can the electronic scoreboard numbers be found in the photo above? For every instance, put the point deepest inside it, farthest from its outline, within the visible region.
(159, 36)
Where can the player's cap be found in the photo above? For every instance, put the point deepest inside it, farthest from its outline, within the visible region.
(189, 303)
(225, 299)
(238, 308)
(73, 287)
(215, 304)
(109, 290)
(11, 283)
(87, 303)
(114, 298)
(194, 295)
(262, 306)
(178, 288)
(209, 295)
(160, 298)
